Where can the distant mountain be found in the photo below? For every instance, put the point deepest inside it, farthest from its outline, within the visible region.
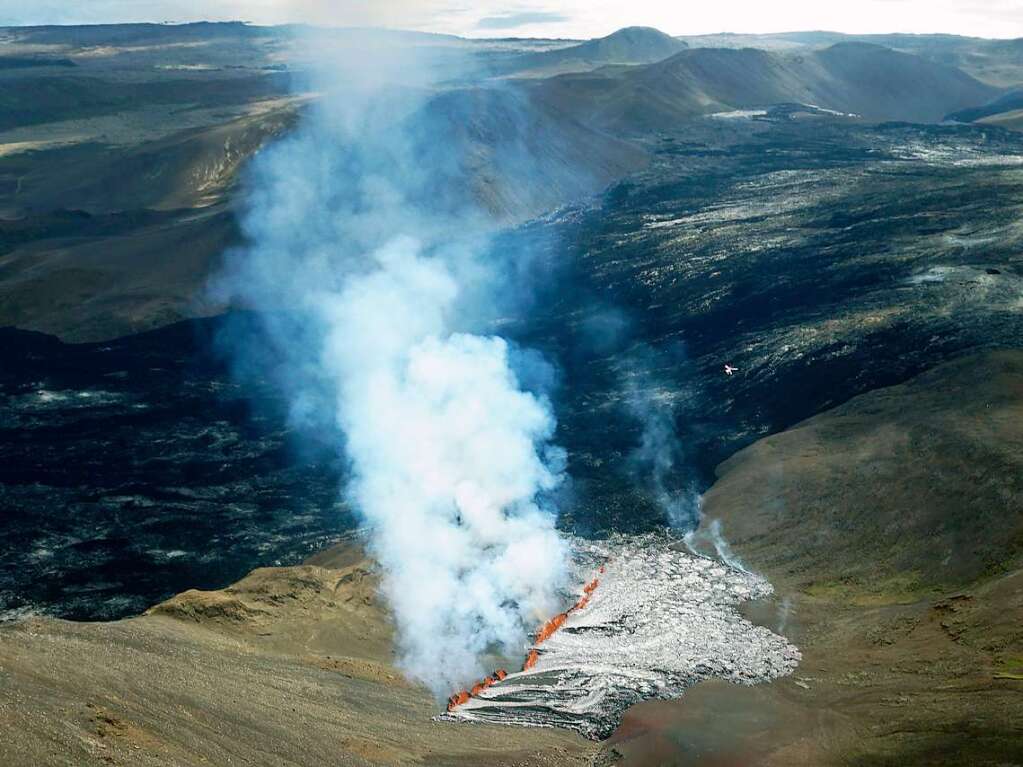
(881, 83)
(1013, 120)
(203, 31)
(1010, 102)
(996, 62)
(526, 147)
(517, 156)
(136, 34)
(631, 45)
(870, 81)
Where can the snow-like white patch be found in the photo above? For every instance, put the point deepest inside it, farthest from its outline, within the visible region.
(187, 67)
(934, 274)
(960, 241)
(45, 399)
(832, 112)
(739, 114)
(955, 155)
(166, 555)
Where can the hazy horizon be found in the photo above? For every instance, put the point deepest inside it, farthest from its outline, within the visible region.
(995, 19)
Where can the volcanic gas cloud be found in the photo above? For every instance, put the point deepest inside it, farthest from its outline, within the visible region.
(372, 284)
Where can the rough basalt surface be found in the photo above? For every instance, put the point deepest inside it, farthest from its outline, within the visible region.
(660, 621)
(823, 260)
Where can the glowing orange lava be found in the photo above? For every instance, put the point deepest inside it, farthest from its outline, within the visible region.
(543, 634)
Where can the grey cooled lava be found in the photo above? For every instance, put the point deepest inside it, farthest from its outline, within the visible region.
(660, 621)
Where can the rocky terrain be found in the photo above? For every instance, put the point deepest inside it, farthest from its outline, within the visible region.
(167, 473)
(794, 206)
(293, 664)
(122, 147)
(122, 150)
(891, 527)
(823, 260)
(288, 667)
(656, 621)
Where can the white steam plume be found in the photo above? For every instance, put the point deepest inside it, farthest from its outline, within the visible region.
(371, 280)
(658, 462)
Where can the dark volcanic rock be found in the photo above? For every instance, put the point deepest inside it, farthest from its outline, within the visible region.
(822, 259)
(133, 469)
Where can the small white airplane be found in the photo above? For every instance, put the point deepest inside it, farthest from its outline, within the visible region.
(729, 370)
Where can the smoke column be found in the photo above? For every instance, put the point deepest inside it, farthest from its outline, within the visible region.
(658, 462)
(372, 273)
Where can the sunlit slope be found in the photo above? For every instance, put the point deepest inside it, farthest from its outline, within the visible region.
(290, 665)
(631, 45)
(893, 528)
(869, 81)
(901, 491)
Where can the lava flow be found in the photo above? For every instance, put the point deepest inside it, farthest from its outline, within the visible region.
(543, 633)
(660, 622)
(462, 696)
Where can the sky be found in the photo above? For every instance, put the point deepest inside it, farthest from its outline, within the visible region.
(554, 18)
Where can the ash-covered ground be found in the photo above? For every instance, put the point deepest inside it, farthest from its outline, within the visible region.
(659, 621)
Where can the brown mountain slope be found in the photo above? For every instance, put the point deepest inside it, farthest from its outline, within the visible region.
(916, 488)
(86, 147)
(996, 62)
(873, 82)
(290, 666)
(890, 526)
(631, 45)
(893, 529)
(190, 168)
(1011, 120)
(517, 156)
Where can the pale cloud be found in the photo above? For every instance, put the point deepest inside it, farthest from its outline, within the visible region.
(397, 13)
(562, 18)
(523, 19)
(986, 18)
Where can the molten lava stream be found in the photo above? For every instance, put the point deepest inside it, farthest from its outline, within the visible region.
(542, 635)
(463, 696)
